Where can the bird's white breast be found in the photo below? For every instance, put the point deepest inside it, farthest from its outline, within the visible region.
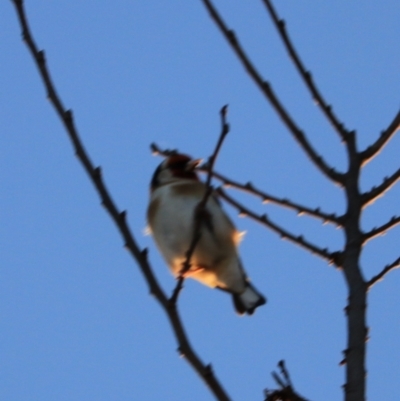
(171, 219)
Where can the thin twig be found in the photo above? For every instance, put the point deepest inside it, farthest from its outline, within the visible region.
(384, 138)
(267, 90)
(286, 391)
(305, 75)
(385, 270)
(201, 207)
(381, 230)
(377, 192)
(267, 198)
(331, 257)
(285, 373)
(119, 218)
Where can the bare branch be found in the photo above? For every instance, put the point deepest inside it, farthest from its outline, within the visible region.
(375, 232)
(267, 90)
(377, 192)
(119, 218)
(201, 207)
(213, 157)
(286, 391)
(386, 270)
(285, 373)
(331, 257)
(384, 138)
(266, 198)
(306, 75)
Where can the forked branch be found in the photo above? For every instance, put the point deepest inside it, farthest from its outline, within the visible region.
(384, 138)
(330, 257)
(119, 218)
(377, 192)
(305, 75)
(286, 391)
(382, 274)
(267, 90)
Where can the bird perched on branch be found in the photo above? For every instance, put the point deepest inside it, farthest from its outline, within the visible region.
(176, 193)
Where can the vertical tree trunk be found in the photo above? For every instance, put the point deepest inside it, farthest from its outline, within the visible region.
(357, 287)
(356, 331)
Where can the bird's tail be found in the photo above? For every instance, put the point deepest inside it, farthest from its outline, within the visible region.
(248, 300)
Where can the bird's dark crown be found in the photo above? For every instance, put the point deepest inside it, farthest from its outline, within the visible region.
(179, 165)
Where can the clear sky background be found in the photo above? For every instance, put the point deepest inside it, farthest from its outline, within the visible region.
(77, 321)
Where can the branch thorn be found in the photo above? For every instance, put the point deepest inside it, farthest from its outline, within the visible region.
(180, 352)
(97, 172)
(41, 56)
(68, 115)
(224, 111)
(208, 370)
(144, 252)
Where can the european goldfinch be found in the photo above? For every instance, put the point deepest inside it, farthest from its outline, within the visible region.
(175, 192)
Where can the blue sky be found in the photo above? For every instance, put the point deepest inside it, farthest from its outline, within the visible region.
(77, 322)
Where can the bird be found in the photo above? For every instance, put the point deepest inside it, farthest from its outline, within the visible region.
(175, 194)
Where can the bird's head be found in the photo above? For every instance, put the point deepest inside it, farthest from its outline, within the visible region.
(173, 168)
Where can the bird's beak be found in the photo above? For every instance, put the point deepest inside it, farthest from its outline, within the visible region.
(192, 164)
